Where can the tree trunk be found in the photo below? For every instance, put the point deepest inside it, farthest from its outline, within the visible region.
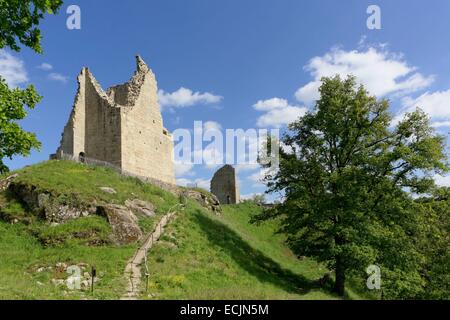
(339, 284)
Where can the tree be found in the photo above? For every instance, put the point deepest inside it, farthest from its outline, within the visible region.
(14, 140)
(346, 181)
(433, 242)
(19, 20)
(258, 199)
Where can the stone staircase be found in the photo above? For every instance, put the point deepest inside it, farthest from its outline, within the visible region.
(133, 272)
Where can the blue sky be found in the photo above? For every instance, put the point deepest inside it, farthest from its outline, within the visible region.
(243, 64)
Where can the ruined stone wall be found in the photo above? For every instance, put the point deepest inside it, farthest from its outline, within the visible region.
(224, 185)
(103, 125)
(147, 148)
(73, 136)
(122, 126)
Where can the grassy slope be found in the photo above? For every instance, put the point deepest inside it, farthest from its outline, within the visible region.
(208, 257)
(21, 252)
(201, 256)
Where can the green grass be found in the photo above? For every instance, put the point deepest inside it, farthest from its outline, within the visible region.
(25, 247)
(11, 209)
(21, 254)
(204, 256)
(84, 183)
(90, 231)
(200, 256)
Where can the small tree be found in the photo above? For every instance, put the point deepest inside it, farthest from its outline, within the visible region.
(345, 184)
(13, 139)
(258, 199)
(18, 23)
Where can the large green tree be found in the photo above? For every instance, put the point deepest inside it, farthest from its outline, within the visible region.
(347, 178)
(19, 21)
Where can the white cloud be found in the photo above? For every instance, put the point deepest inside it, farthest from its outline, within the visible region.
(184, 97)
(443, 181)
(203, 183)
(435, 104)
(380, 71)
(440, 124)
(212, 125)
(278, 112)
(271, 104)
(57, 77)
(286, 148)
(182, 169)
(257, 176)
(45, 66)
(12, 69)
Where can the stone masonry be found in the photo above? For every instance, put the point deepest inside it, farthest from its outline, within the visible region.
(224, 185)
(122, 126)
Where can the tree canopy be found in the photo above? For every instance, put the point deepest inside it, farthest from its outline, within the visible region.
(19, 21)
(13, 139)
(347, 180)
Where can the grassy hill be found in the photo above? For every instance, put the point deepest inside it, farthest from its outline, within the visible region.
(200, 256)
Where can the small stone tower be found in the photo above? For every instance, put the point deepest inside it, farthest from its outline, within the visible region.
(224, 185)
(122, 126)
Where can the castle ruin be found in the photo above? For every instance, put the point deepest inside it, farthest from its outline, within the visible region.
(122, 126)
(224, 185)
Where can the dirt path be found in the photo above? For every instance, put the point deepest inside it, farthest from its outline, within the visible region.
(133, 268)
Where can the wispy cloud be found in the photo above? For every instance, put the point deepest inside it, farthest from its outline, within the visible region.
(45, 66)
(435, 104)
(440, 124)
(12, 69)
(184, 97)
(58, 77)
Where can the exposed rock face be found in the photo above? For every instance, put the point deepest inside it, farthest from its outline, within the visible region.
(57, 208)
(140, 208)
(224, 185)
(48, 206)
(209, 201)
(123, 222)
(4, 183)
(122, 126)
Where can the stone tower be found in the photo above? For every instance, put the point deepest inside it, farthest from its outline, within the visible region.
(122, 126)
(224, 185)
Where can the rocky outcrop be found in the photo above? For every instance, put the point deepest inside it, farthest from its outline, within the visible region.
(141, 208)
(52, 208)
(123, 222)
(206, 200)
(4, 183)
(56, 208)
